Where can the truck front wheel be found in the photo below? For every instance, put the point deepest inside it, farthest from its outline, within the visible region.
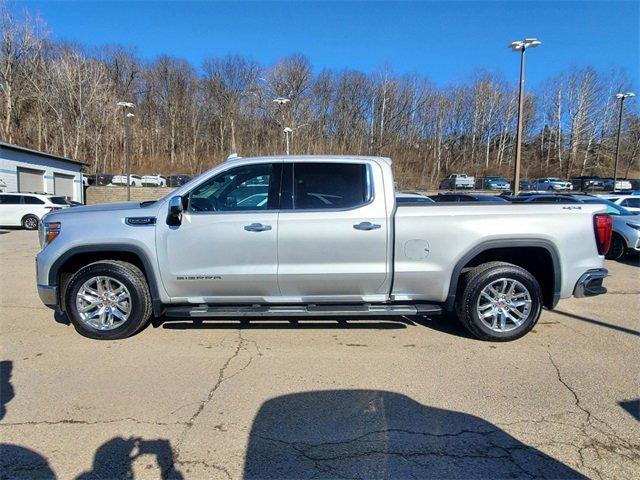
(108, 300)
(498, 301)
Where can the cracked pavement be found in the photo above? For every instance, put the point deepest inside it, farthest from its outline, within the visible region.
(401, 398)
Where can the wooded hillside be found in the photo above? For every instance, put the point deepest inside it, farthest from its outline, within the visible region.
(62, 98)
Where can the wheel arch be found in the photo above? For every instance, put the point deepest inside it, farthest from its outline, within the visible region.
(75, 258)
(521, 252)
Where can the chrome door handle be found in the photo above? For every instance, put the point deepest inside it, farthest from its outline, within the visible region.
(257, 227)
(366, 226)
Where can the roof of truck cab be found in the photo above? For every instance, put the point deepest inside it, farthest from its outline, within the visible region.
(310, 158)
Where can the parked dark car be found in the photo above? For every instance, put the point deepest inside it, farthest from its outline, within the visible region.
(492, 182)
(177, 180)
(544, 198)
(99, 179)
(524, 184)
(587, 183)
(412, 197)
(465, 197)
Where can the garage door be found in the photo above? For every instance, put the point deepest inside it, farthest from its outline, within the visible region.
(30, 180)
(63, 185)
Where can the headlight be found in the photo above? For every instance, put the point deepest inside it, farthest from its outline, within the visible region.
(635, 227)
(49, 232)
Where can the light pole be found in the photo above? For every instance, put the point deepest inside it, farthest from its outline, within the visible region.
(520, 46)
(281, 101)
(621, 97)
(287, 131)
(125, 106)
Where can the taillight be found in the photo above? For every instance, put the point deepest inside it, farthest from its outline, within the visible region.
(603, 227)
(53, 209)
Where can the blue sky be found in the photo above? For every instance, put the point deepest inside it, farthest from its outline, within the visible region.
(445, 41)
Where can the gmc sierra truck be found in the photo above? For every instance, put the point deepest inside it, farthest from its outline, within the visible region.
(320, 236)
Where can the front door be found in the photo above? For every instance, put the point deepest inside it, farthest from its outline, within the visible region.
(225, 250)
(332, 239)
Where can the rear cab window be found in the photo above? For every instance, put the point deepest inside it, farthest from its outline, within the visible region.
(322, 186)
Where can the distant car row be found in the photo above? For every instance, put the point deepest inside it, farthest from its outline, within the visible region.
(624, 209)
(462, 181)
(107, 179)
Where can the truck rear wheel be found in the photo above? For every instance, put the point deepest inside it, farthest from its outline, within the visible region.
(108, 300)
(499, 301)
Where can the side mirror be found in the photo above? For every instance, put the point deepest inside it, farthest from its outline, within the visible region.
(174, 216)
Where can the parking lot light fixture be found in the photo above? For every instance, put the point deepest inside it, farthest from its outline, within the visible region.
(520, 46)
(127, 114)
(621, 97)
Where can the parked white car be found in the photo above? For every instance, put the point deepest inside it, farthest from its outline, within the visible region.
(630, 202)
(455, 181)
(134, 180)
(154, 181)
(27, 209)
(551, 183)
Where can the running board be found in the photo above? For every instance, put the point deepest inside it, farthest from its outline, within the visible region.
(365, 310)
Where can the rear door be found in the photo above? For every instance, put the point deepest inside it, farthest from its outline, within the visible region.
(10, 210)
(332, 233)
(225, 250)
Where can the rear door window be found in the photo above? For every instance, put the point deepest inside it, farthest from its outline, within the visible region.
(29, 200)
(320, 186)
(631, 202)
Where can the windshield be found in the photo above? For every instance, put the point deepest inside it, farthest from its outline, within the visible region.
(58, 200)
(612, 208)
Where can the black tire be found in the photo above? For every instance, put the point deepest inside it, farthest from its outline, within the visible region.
(549, 189)
(471, 286)
(131, 277)
(617, 249)
(30, 222)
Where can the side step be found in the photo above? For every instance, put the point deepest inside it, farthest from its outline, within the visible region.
(366, 310)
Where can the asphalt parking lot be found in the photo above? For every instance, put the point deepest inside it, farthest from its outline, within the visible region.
(401, 398)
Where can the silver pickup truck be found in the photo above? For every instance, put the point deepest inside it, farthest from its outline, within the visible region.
(316, 236)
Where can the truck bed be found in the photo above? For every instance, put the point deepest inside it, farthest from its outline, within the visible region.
(432, 239)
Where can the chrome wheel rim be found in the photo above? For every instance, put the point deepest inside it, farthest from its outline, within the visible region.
(103, 303)
(504, 305)
(31, 223)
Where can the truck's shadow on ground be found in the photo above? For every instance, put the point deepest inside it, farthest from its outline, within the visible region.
(330, 434)
(379, 434)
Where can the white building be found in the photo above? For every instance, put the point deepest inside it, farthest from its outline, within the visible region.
(26, 170)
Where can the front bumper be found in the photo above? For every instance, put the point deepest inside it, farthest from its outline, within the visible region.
(590, 283)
